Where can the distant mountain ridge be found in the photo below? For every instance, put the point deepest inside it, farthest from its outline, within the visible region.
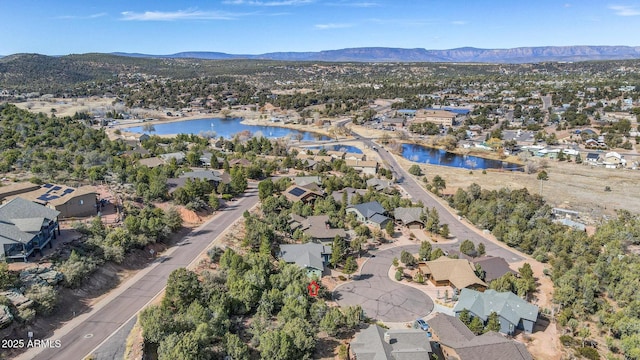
(464, 54)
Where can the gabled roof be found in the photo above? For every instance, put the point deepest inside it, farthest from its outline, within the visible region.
(297, 193)
(304, 180)
(459, 272)
(378, 219)
(209, 175)
(378, 184)
(408, 215)
(453, 333)
(179, 156)
(493, 267)
(370, 344)
(506, 304)
(369, 209)
(337, 195)
(21, 220)
(305, 255)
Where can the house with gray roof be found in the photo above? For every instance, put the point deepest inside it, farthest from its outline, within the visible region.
(376, 343)
(337, 195)
(493, 267)
(305, 180)
(178, 156)
(410, 217)
(371, 213)
(25, 227)
(514, 313)
(317, 228)
(379, 184)
(458, 342)
(310, 256)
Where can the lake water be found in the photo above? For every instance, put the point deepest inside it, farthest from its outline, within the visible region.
(227, 128)
(336, 147)
(427, 155)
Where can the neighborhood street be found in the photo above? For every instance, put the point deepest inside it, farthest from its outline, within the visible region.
(86, 333)
(380, 297)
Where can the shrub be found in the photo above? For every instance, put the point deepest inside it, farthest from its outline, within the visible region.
(415, 170)
(44, 296)
(77, 269)
(399, 275)
(567, 340)
(26, 315)
(342, 278)
(589, 353)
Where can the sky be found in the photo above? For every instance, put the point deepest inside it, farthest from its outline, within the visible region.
(164, 27)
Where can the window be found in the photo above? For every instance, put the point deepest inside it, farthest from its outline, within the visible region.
(81, 202)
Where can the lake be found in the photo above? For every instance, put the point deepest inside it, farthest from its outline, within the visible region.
(227, 128)
(427, 155)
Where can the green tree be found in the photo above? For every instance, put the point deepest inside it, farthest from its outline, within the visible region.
(444, 230)
(173, 219)
(350, 266)
(390, 228)
(425, 250)
(407, 258)
(493, 322)
(333, 321)
(481, 249)
(214, 201)
(266, 189)
(182, 289)
(436, 253)
(465, 317)
(476, 325)
(438, 184)
(7, 278)
(44, 296)
(235, 348)
(415, 170)
(468, 248)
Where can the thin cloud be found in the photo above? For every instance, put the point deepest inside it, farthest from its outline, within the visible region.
(625, 10)
(178, 15)
(268, 3)
(403, 22)
(92, 16)
(332, 26)
(459, 22)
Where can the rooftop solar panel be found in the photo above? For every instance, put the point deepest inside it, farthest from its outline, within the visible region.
(47, 186)
(68, 191)
(296, 191)
(56, 188)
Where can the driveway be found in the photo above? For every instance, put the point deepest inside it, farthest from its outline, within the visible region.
(380, 297)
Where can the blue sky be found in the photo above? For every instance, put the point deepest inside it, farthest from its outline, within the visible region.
(259, 26)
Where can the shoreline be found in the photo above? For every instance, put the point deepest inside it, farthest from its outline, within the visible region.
(247, 118)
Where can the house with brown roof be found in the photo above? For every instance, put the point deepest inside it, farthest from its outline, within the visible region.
(458, 273)
(438, 117)
(363, 166)
(410, 217)
(300, 193)
(458, 342)
(69, 201)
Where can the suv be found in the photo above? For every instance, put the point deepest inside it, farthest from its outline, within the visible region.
(421, 324)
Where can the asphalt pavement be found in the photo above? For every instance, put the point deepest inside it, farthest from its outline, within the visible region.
(380, 297)
(87, 333)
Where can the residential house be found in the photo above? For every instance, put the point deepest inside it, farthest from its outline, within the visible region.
(398, 122)
(337, 195)
(513, 312)
(304, 180)
(69, 201)
(300, 193)
(17, 188)
(458, 273)
(310, 256)
(177, 156)
(379, 184)
(355, 156)
(410, 217)
(240, 162)
(371, 213)
(574, 224)
(151, 162)
(613, 160)
(364, 166)
(592, 158)
(438, 117)
(493, 267)
(376, 343)
(26, 227)
(458, 342)
(215, 177)
(317, 228)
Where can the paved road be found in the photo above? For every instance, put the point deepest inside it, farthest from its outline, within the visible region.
(380, 297)
(457, 228)
(86, 334)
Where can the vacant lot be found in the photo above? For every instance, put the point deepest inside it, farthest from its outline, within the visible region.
(571, 186)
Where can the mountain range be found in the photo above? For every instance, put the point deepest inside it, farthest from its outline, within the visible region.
(465, 54)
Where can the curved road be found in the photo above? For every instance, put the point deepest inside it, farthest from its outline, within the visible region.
(86, 333)
(380, 297)
(457, 228)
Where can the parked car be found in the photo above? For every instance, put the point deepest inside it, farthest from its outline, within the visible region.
(421, 324)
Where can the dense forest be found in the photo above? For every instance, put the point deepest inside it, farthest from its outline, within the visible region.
(595, 276)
